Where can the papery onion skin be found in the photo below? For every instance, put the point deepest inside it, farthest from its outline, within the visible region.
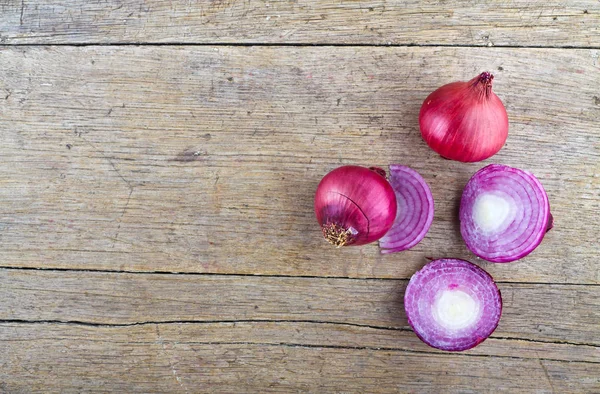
(355, 205)
(464, 121)
(521, 230)
(448, 276)
(415, 210)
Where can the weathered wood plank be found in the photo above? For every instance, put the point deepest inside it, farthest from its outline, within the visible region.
(520, 22)
(260, 357)
(206, 160)
(344, 335)
(549, 313)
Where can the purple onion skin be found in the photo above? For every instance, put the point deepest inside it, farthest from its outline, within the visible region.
(446, 274)
(355, 205)
(518, 239)
(464, 121)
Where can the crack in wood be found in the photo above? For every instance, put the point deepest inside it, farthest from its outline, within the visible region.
(257, 275)
(112, 164)
(547, 375)
(259, 321)
(22, 10)
(116, 237)
(184, 273)
(294, 45)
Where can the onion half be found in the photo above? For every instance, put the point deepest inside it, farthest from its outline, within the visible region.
(415, 210)
(504, 213)
(452, 304)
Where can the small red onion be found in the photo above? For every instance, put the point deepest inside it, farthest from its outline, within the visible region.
(415, 210)
(452, 304)
(504, 213)
(464, 121)
(355, 205)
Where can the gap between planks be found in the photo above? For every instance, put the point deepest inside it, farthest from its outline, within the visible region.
(317, 322)
(183, 273)
(383, 349)
(283, 44)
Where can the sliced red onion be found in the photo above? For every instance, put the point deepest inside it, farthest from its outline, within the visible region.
(415, 210)
(504, 213)
(452, 304)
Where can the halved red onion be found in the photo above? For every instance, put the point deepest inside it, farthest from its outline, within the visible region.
(504, 213)
(452, 304)
(415, 210)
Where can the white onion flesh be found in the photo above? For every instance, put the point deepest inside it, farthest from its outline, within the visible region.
(504, 213)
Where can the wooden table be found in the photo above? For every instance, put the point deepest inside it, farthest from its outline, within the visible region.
(159, 161)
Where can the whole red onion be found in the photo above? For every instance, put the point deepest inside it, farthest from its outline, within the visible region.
(464, 121)
(355, 205)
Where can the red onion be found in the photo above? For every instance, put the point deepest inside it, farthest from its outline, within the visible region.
(415, 210)
(464, 121)
(355, 205)
(452, 304)
(504, 213)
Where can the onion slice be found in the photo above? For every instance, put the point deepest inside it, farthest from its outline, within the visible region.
(452, 304)
(415, 210)
(504, 213)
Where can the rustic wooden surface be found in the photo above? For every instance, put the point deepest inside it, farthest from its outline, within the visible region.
(574, 23)
(156, 221)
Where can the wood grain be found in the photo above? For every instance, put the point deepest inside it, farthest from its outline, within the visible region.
(380, 22)
(143, 187)
(226, 358)
(547, 313)
(184, 159)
